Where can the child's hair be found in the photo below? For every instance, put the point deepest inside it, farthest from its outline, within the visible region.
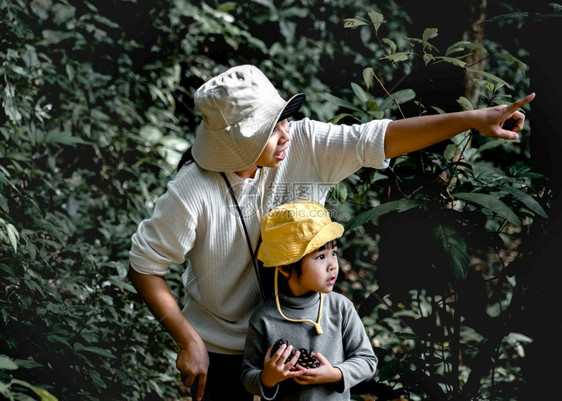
(297, 266)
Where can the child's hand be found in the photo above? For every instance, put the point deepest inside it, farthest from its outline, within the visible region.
(325, 373)
(275, 369)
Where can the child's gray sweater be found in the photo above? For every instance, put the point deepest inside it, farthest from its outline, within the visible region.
(344, 343)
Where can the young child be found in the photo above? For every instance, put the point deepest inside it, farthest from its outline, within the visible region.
(299, 240)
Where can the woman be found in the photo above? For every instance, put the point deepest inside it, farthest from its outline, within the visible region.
(247, 158)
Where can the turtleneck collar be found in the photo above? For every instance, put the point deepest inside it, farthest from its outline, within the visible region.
(300, 302)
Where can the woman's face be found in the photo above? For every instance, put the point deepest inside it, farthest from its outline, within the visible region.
(275, 150)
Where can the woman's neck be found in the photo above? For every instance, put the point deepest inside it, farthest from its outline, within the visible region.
(250, 172)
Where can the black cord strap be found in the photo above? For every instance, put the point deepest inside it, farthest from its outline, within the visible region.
(249, 242)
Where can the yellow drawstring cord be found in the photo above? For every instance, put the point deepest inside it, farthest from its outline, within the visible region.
(316, 324)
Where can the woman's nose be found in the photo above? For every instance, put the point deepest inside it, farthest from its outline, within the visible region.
(284, 137)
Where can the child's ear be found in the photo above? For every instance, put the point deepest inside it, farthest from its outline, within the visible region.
(285, 271)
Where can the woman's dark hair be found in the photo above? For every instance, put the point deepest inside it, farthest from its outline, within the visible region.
(186, 158)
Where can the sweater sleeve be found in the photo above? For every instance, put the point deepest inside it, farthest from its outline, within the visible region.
(166, 237)
(361, 361)
(338, 151)
(254, 351)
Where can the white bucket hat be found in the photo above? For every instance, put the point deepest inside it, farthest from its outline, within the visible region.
(240, 108)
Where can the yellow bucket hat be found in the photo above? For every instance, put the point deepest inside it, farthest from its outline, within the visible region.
(295, 229)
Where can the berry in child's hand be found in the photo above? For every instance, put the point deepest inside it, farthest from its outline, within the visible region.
(306, 359)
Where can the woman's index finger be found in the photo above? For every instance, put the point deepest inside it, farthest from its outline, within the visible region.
(521, 102)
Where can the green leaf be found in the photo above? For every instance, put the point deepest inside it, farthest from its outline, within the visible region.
(463, 45)
(340, 192)
(340, 102)
(427, 58)
(527, 200)
(56, 338)
(372, 106)
(337, 118)
(7, 363)
(399, 97)
(390, 44)
(450, 151)
(489, 76)
(63, 138)
(18, 70)
(7, 102)
(288, 29)
(368, 76)
(151, 134)
(52, 37)
(44, 394)
(454, 246)
(397, 57)
(359, 92)
(300, 12)
(491, 203)
(513, 60)
(452, 60)
(13, 235)
(78, 347)
(493, 143)
(508, 16)
(27, 363)
(465, 103)
(377, 19)
(123, 284)
(62, 13)
(439, 110)
(403, 96)
(429, 33)
(373, 215)
(354, 22)
(389, 369)
(378, 115)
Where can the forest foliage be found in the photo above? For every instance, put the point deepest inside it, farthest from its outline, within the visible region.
(97, 109)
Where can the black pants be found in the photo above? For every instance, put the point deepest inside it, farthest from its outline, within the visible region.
(223, 379)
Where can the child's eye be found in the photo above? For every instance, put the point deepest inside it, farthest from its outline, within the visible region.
(320, 257)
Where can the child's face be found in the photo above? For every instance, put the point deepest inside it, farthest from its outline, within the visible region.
(319, 272)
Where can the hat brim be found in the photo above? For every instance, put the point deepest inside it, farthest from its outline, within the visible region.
(240, 148)
(283, 252)
(327, 234)
(293, 105)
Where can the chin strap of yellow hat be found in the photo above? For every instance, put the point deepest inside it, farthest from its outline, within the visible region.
(316, 324)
